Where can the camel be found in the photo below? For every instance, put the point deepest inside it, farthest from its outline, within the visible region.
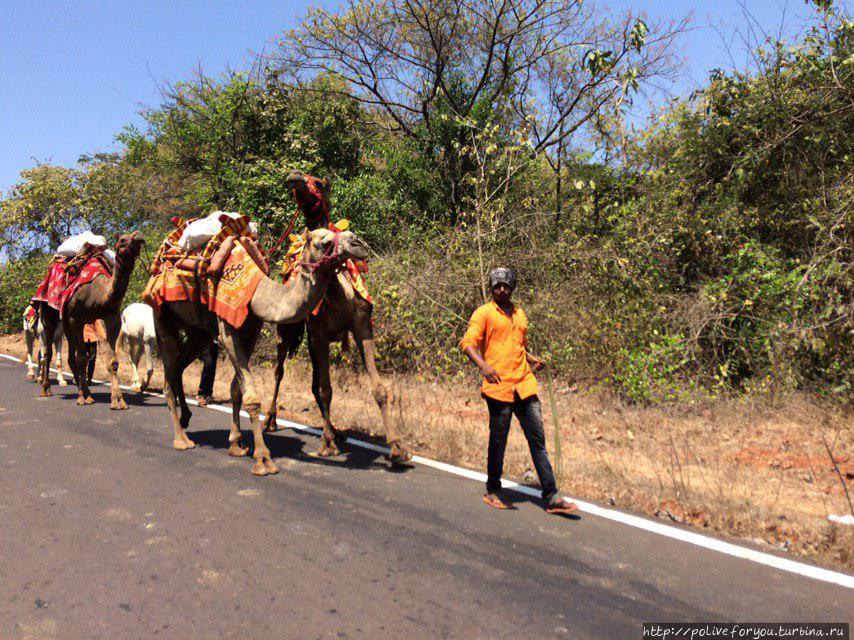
(137, 338)
(99, 299)
(271, 302)
(32, 331)
(343, 311)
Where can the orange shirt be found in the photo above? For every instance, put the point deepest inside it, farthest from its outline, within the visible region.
(94, 331)
(501, 340)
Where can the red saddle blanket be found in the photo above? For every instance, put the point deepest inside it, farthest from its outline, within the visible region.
(65, 276)
(183, 280)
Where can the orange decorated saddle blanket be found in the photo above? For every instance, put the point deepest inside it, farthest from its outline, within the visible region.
(222, 276)
(66, 275)
(353, 269)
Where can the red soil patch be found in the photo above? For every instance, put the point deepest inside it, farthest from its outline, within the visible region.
(775, 458)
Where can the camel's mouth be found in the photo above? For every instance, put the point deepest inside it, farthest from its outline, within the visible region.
(353, 248)
(130, 245)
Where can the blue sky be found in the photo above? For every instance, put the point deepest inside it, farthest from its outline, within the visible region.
(72, 74)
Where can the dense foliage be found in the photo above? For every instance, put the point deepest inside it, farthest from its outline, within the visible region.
(708, 252)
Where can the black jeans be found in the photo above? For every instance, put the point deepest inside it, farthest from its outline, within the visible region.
(91, 356)
(206, 382)
(530, 416)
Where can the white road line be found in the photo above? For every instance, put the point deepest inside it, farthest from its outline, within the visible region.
(652, 526)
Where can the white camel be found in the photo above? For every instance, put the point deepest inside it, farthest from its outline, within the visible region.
(33, 329)
(137, 338)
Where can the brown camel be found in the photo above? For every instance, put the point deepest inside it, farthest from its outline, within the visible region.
(272, 302)
(343, 311)
(100, 299)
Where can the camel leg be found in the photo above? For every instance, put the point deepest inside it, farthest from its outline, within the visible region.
(238, 345)
(149, 367)
(57, 345)
(367, 347)
(196, 342)
(49, 320)
(113, 324)
(281, 354)
(133, 352)
(79, 359)
(235, 436)
(32, 367)
(321, 387)
(167, 342)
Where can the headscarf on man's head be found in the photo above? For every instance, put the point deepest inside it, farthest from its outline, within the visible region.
(502, 275)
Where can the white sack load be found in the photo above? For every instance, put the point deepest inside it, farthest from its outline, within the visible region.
(199, 232)
(75, 244)
(110, 255)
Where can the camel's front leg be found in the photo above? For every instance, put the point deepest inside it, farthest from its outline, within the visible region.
(168, 344)
(239, 345)
(397, 452)
(235, 436)
(197, 341)
(79, 360)
(281, 354)
(113, 324)
(321, 387)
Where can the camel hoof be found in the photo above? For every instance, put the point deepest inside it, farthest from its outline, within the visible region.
(270, 424)
(31, 375)
(183, 444)
(89, 400)
(264, 466)
(121, 405)
(46, 393)
(259, 468)
(62, 382)
(328, 450)
(236, 451)
(398, 454)
(135, 388)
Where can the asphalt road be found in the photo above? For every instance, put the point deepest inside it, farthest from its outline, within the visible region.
(107, 532)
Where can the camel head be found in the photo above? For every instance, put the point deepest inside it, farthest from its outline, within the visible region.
(312, 196)
(128, 246)
(327, 250)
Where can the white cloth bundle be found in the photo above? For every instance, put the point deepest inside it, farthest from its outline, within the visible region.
(75, 244)
(199, 233)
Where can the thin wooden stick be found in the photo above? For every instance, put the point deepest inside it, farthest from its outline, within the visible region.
(558, 452)
(838, 472)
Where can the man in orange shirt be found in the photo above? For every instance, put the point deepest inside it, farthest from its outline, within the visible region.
(496, 342)
(92, 333)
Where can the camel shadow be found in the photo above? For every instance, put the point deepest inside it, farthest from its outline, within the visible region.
(293, 447)
(281, 445)
(132, 398)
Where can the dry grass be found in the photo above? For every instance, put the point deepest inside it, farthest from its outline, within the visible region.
(754, 468)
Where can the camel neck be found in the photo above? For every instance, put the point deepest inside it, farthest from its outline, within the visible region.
(290, 302)
(119, 282)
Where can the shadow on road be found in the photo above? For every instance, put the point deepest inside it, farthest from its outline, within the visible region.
(284, 445)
